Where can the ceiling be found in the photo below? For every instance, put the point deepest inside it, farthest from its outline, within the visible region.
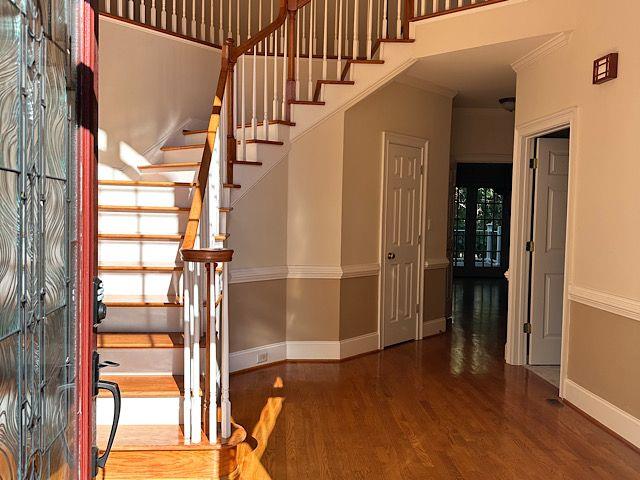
(480, 75)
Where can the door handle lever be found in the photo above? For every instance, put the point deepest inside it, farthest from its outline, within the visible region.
(101, 461)
(391, 256)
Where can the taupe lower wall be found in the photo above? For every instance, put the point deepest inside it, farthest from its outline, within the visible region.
(604, 356)
(358, 306)
(435, 289)
(313, 309)
(257, 311)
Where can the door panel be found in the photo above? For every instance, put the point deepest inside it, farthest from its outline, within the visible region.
(547, 263)
(402, 250)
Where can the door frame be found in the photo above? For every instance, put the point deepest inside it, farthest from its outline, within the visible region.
(387, 139)
(521, 211)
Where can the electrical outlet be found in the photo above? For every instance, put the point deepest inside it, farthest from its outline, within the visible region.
(262, 357)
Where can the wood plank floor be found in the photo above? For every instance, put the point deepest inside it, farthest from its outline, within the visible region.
(444, 408)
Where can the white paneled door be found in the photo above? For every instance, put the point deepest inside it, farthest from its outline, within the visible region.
(549, 237)
(402, 209)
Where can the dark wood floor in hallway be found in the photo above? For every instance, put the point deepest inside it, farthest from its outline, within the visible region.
(447, 407)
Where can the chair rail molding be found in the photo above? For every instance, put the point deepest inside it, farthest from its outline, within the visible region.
(282, 272)
(625, 307)
(436, 263)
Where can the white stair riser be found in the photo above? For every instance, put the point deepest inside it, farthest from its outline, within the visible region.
(171, 176)
(147, 361)
(142, 223)
(143, 196)
(179, 156)
(141, 283)
(142, 319)
(141, 411)
(137, 252)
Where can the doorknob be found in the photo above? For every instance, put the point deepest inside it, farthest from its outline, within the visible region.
(391, 256)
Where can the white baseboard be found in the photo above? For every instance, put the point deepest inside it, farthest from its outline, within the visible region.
(304, 350)
(621, 422)
(434, 327)
(276, 352)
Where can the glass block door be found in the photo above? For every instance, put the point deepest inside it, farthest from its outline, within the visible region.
(37, 326)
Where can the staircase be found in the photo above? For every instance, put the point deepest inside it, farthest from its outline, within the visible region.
(164, 271)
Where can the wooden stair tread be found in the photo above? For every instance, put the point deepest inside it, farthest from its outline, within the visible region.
(136, 208)
(148, 437)
(146, 386)
(225, 209)
(140, 268)
(231, 185)
(347, 66)
(142, 340)
(264, 142)
(140, 236)
(221, 237)
(319, 83)
(142, 301)
(306, 102)
(244, 162)
(271, 122)
(171, 148)
(171, 166)
(145, 183)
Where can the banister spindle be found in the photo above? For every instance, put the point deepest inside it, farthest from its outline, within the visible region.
(291, 54)
(107, 6)
(447, 5)
(212, 34)
(312, 5)
(335, 27)
(435, 6)
(212, 354)
(297, 72)
(153, 13)
(194, 32)
(120, 8)
(230, 97)
(130, 9)
(225, 402)
(229, 19)
(399, 20)
(385, 20)
(408, 15)
(275, 106)
(238, 35)
(356, 28)
(304, 30)
(143, 12)
(163, 15)
(254, 94)
(174, 17)
(183, 24)
(186, 321)
(221, 23)
(285, 62)
(196, 405)
(369, 28)
(203, 27)
(339, 39)
(243, 109)
(325, 38)
(347, 51)
(314, 50)
(265, 95)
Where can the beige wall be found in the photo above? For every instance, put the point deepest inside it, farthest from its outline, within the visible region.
(313, 309)
(603, 355)
(435, 291)
(358, 306)
(482, 135)
(149, 85)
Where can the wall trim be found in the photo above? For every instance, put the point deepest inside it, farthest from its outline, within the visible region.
(625, 307)
(282, 272)
(542, 51)
(436, 263)
(434, 327)
(612, 417)
(304, 350)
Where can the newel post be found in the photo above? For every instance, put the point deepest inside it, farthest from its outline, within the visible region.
(409, 6)
(292, 9)
(227, 55)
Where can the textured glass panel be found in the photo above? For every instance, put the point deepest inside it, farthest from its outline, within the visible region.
(59, 22)
(55, 245)
(9, 232)
(9, 84)
(60, 460)
(55, 113)
(9, 408)
(55, 374)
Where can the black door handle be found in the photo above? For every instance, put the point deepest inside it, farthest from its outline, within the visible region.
(112, 387)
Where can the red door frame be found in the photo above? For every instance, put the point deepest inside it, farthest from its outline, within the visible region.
(87, 193)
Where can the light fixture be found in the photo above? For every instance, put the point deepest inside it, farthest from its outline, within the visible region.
(508, 103)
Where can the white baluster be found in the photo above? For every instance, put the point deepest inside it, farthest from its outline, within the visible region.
(249, 15)
(347, 51)
(385, 20)
(298, 55)
(174, 18)
(325, 37)
(243, 118)
(221, 38)
(194, 31)
(254, 97)
(315, 27)
(107, 6)
(239, 38)
(120, 8)
(230, 16)
(335, 27)
(272, 38)
(186, 320)
(212, 35)
(153, 13)
(130, 9)
(196, 405)
(304, 30)
(203, 27)
(423, 7)
(284, 70)
(447, 5)
(163, 15)
(143, 12)
(310, 53)
(225, 402)
(356, 28)
(339, 38)
(265, 97)
(213, 353)
(399, 20)
(183, 23)
(369, 29)
(275, 76)
(379, 20)
(435, 6)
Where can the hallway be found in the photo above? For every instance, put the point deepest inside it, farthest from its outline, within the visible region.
(443, 408)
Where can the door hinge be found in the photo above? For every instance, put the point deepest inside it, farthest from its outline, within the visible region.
(533, 163)
(530, 246)
(526, 328)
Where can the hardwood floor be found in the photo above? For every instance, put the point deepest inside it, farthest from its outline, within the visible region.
(443, 408)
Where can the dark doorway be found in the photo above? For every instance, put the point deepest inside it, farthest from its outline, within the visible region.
(482, 209)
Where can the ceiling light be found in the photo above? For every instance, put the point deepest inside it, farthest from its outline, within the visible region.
(508, 103)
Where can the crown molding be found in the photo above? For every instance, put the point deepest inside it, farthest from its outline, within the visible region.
(542, 51)
(427, 86)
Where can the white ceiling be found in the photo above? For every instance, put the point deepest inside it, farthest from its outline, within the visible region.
(480, 75)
